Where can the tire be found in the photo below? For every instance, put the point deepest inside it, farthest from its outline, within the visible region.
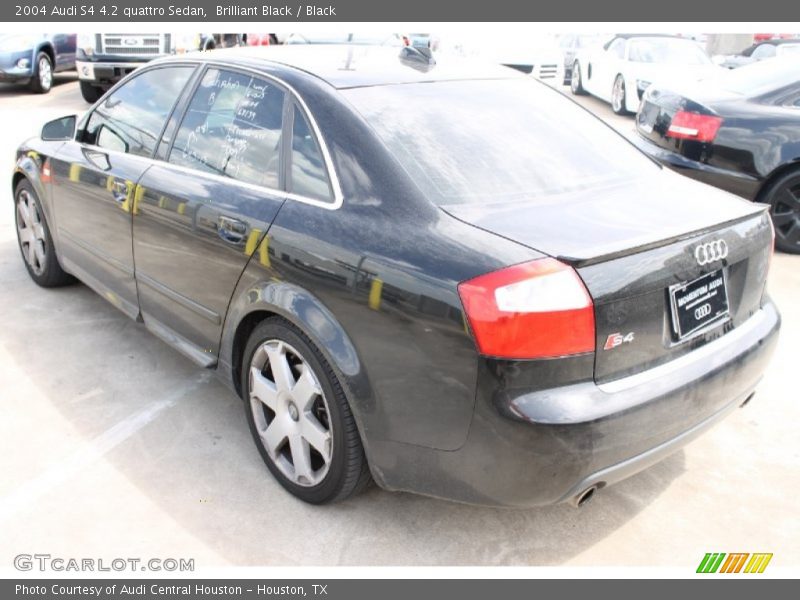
(783, 197)
(91, 93)
(35, 241)
(576, 82)
(42, 78)
(618, 98)
(315, 422)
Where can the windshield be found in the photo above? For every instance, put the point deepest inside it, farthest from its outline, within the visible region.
(760, 77)
(667, 51)
(493, 141)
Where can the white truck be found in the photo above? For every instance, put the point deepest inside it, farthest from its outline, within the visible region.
(105, 58)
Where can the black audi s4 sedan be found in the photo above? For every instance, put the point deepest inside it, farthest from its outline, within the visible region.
(739, 131)
(441, 276)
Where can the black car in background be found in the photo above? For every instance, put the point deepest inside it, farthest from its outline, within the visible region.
(740, 132)
(405, 271)
(762, 51)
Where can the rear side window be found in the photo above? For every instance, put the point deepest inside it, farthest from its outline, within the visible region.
(131, 119)
(233, 128)
(308, 174)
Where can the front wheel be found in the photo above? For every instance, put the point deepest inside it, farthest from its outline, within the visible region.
(42, 79)
(91, 93)
(783, 197)
(35, 241)
(299, 416)
(618, 100)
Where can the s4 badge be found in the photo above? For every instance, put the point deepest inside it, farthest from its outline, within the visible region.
(617, 339)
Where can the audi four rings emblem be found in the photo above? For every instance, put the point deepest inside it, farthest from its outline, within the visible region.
(710, 252)
(702, 311)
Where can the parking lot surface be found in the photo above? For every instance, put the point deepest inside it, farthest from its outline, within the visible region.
(115, 445)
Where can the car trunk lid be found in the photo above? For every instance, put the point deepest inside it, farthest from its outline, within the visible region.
(635, 244)
(595, 223)
(660, 105)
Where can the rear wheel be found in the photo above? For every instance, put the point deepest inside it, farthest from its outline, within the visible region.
(35, 241)
(618, 99)
(42, 79)
(91, 93)
(783, 197)
(299, 416)
(576, 83)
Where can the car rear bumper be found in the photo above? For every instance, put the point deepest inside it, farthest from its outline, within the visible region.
(735, 182)
(548, 446)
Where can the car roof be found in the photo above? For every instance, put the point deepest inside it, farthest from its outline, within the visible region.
(630, 36)
(347, 66)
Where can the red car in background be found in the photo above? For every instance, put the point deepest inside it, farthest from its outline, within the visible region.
(261, 39)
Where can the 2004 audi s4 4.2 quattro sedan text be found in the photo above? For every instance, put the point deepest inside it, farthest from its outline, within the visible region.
(445, 277)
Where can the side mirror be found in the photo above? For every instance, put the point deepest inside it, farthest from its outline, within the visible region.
(60, 129)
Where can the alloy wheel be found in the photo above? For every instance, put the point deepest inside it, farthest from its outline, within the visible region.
(45, 73)
(786, 213)
(618, 94)
(31, 233)
(291, 413)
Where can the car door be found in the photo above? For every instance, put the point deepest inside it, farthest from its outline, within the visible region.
(95, 180)
(205, 209)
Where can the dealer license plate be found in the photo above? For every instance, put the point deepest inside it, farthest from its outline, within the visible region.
(699, 303)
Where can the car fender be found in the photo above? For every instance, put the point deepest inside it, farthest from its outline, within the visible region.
(29, 166)
(47, 47)
(778, 171)
(255, 294)
(257, 297)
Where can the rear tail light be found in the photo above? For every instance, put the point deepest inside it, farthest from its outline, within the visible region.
(693, 126)
(536, 309)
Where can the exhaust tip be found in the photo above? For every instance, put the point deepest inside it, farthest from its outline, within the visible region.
(747, 400)
(584, 497)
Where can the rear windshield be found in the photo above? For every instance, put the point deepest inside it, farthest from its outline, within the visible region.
(493, 141)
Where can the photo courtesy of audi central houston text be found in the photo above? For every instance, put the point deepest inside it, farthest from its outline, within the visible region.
(424, 269)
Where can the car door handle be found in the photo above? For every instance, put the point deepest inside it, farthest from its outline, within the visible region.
(231, 230)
